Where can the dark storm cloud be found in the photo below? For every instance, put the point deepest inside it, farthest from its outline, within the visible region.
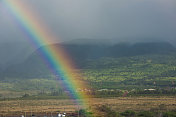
(102, 19)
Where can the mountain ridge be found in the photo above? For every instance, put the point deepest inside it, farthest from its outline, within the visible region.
(35, 66)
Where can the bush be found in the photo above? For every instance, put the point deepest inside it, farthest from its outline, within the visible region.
(25, 95)
(145, 114)
(84, 113)
(128, 113)
(169, 114)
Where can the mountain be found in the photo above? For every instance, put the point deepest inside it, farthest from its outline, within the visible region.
(14, 53)
(91, 42)
(35, 65)
(141, 49)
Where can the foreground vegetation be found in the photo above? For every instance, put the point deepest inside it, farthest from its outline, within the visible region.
(103, 107)
(159, 112)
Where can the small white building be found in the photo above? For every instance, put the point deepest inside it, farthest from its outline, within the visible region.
(149, 89)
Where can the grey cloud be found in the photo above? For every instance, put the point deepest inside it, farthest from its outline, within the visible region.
(103, 19)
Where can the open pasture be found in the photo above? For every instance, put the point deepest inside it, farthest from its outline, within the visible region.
(120, 104)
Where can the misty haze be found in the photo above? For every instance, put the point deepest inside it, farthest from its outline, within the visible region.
(88, 58)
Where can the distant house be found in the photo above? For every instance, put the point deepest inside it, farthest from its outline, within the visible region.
(149, 89)
(103, 90)
(83, 90)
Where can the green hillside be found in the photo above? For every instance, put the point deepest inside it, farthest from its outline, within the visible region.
(126, 67)
(126, 73)
(87, 56)
(138, 71)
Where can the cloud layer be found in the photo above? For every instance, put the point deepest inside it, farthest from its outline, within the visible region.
(99, 19)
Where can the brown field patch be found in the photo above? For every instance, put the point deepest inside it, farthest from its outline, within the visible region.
(119, 104)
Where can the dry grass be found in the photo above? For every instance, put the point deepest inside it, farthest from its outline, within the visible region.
(119, 104)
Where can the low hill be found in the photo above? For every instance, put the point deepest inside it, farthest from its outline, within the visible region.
(14, 53)
(121, 66)
(85, 55)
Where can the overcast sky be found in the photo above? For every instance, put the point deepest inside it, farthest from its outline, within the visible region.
(99, 19)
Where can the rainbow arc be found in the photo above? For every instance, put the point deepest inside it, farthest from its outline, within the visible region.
(56, 57)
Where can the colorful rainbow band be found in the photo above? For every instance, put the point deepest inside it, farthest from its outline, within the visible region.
(58, 60)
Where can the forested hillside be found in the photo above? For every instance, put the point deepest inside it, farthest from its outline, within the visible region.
(137, 71)
(87, 56)
(122, 66)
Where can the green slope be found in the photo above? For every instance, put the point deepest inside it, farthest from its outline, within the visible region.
(138, 66)
(127, 73)
(137, 71)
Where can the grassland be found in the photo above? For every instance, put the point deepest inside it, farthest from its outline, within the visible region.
(120, 104)
(120, 74)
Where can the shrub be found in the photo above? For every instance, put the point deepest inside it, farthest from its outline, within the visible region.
(25, 95)
(169, 114)
(128, 113)
(84, 113)
(145, 114)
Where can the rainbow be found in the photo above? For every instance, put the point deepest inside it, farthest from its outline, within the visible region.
(58, 60)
